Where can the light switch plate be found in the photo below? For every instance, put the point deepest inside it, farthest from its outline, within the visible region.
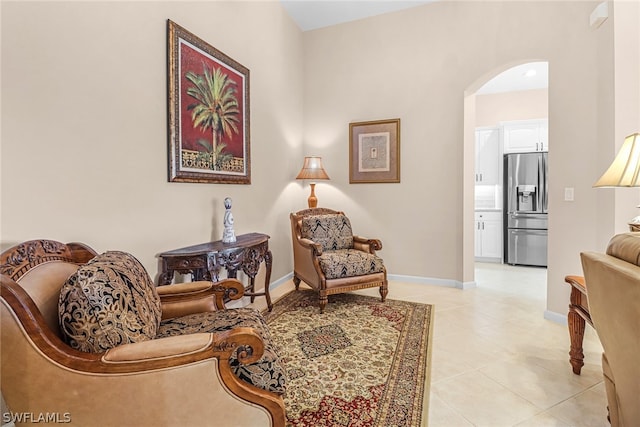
(568, 194)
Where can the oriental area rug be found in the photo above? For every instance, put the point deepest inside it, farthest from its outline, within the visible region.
(360, 363)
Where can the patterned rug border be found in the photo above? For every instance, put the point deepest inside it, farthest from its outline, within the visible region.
(404, 375)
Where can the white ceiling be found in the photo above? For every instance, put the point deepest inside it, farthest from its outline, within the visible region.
(314, 14)
(533, 75)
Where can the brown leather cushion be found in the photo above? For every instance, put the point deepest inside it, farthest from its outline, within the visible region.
(625, 246)
(109, 301)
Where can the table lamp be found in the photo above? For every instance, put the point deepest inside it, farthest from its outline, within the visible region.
(312, 169)
(625, 169)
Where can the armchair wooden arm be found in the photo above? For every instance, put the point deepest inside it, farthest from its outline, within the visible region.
(367, 245)
(222, 345)
(314, 248)
(182, 299)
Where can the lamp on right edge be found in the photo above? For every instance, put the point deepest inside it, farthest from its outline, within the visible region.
(625, 170)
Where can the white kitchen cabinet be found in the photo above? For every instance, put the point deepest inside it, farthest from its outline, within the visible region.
(544, 135)
(488, 156)
(524, 136)
(488, 233)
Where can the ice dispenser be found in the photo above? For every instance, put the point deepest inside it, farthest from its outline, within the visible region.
(527, 200)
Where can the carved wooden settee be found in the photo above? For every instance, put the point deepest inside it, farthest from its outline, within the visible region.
(88, 338)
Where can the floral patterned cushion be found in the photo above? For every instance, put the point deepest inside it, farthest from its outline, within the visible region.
(349, 263)
(109, 301)
(332, 231)
(267, 373)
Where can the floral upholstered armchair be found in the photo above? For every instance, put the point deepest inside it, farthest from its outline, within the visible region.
(122, 352)
(328, 257)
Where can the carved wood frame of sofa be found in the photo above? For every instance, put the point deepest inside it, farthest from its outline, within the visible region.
(307, 261)
(177, 380)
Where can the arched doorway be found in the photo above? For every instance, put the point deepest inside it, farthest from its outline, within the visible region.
(511, 100)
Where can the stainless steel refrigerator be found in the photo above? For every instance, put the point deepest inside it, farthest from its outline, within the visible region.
(525, 208)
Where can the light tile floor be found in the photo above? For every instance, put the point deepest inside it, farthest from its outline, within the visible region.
(496, 361)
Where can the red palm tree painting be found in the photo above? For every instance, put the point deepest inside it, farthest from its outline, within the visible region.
(209, 114)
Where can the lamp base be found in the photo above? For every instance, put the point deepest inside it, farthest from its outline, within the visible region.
(312, 200)
(634, 224)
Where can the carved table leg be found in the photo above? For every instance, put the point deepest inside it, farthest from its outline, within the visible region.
(213, 268)
(268, 261)
(252, 288)
(166, 274)
(576, 334)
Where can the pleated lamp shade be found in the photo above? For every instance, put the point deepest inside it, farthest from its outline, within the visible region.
(312, 169)
(625, 169)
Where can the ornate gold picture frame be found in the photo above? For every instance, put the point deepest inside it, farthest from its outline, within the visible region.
(209, 138)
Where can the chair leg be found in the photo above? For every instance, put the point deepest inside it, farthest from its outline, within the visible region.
(576, 334)
(296, 282)
(323, 300)
(384, 290)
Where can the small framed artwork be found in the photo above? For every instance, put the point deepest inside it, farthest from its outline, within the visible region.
(374, 151)
(209, 138)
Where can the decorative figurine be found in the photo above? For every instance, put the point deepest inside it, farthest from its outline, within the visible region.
(228, 235)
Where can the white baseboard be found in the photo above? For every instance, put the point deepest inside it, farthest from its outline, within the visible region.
(280, 281)
(432, 281)
(556, 317)
(400, 278)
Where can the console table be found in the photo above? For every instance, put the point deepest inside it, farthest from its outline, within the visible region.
(204, 262)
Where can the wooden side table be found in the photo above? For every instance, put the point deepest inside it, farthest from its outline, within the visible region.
(577, 317)
(206, 260)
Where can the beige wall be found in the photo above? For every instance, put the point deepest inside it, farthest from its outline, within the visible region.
(491, 109)
(627, 96)
(417, 65)
(84, 124)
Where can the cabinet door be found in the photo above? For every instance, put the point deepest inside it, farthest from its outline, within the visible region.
(521, 137)
(488, 156)
(478, 237)
(525, 136)
(543, 135)
(488, 235)
(491, 239)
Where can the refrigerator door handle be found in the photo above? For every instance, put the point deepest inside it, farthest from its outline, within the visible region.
(517, 231)
(545, 184)
(540, 207)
